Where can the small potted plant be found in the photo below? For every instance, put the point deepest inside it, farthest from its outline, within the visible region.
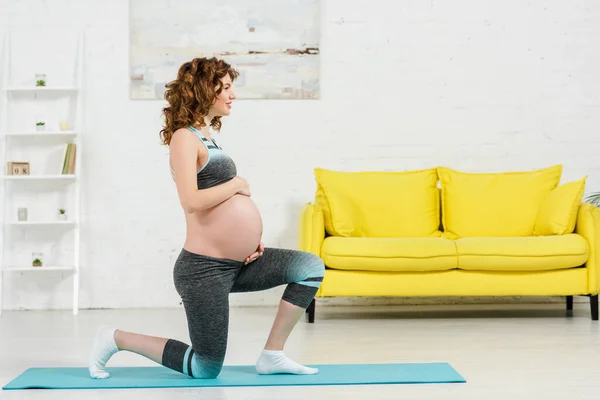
(40, 79)
(37, 258)
(62, 214)
(40, 126)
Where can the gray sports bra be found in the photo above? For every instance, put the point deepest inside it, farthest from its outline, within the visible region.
(219, 167)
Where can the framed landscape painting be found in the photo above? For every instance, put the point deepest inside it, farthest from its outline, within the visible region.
(274, 44)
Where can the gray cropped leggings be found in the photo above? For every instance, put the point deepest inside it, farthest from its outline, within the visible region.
(204, 284)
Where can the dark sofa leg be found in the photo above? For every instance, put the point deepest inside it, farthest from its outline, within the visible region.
(569, 303)
(594, 307)
(311, 311)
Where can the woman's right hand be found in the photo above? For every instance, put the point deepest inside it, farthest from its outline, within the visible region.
(242, 186)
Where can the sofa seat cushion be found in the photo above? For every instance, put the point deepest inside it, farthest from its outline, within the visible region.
(389, 254)
(529, 253)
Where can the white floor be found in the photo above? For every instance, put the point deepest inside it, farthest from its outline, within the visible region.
(504, 352)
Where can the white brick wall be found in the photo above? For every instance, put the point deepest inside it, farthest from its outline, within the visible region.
(470, 84)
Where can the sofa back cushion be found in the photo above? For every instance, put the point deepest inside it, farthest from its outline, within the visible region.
(379, 204)
(558, 212)
(494, 204)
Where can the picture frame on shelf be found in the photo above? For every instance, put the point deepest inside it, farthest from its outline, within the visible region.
(18, 168)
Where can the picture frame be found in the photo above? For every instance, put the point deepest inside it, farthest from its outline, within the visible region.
(18, 168)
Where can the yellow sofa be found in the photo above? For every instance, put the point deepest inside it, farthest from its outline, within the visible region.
(443, 232)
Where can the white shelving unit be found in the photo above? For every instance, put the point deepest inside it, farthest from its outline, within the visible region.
(40, 177)
(40, 223)
(12, 138)
(42, 134)
(42, 89)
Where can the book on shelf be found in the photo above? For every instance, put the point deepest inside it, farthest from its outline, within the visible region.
(68, 165)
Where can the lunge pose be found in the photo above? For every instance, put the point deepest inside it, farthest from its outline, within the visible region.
(223, 252)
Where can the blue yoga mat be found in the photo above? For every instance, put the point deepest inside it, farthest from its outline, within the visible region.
(162, 377)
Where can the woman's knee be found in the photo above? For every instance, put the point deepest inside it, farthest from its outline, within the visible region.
(205, 369)
(308, 276)
(314, 267)
(309, 270)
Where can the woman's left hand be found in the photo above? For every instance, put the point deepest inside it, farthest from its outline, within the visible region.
(259, 252)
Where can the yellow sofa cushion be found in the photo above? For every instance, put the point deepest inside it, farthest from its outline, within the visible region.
(455, 282)
(533, 253)
(558, 213)
(379, 204)
(493, 204)
(399, 254)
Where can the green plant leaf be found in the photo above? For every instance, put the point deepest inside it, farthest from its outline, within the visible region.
(593, 198)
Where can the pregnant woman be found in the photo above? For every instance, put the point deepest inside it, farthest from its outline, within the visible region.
(223, 252)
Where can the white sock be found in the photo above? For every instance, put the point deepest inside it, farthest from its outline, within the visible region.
(275, 362)
(102, 350)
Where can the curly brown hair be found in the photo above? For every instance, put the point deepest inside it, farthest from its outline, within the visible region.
(192, 93)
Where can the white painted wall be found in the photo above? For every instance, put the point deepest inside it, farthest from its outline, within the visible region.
(471, 84)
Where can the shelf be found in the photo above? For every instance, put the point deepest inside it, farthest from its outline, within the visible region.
(44, 133)
(42, 89)
(63, 92)
(39, 177)
(58, 222)
(38, 269)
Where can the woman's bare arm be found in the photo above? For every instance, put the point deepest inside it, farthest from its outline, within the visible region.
(183, 157)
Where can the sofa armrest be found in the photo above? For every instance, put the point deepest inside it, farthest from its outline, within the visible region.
(311, 232)
(588, 226)
(311, 229)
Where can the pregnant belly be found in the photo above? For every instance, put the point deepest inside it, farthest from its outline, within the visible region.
(233, 228)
